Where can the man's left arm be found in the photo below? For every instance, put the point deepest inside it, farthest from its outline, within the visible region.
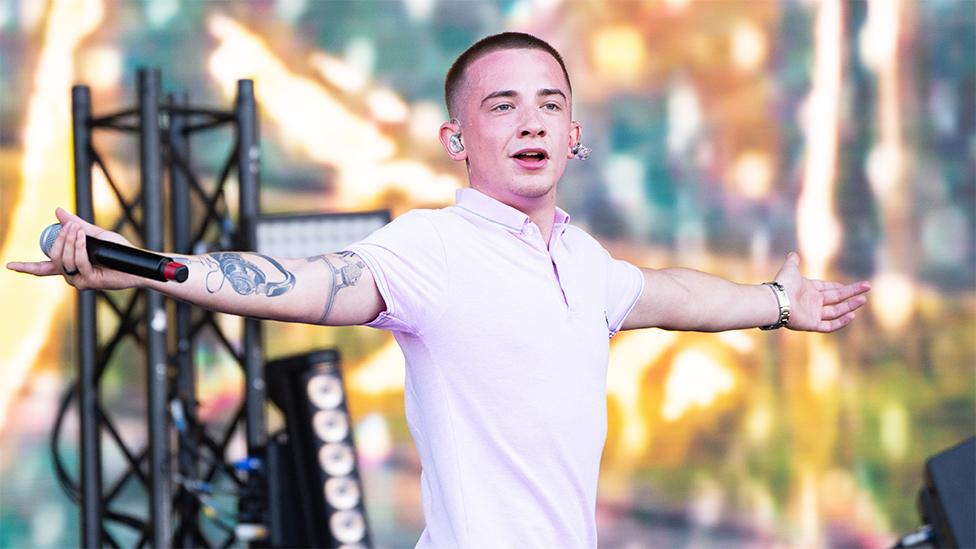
(690, 300)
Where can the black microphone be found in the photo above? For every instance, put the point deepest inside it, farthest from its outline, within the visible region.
(122, 258)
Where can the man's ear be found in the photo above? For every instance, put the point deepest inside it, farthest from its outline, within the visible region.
(447, 131)
(575, 131)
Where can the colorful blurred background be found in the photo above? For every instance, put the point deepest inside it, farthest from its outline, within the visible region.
(725, 133)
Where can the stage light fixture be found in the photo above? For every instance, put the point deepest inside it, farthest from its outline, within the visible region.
(330, 425)
(348, 526)
(318, 451)
(325, 391)
(342, 493)
(336, 459)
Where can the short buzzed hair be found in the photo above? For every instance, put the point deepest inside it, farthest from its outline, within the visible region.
(496, 42)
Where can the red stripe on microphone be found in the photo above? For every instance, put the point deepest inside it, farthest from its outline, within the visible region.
(170, 271)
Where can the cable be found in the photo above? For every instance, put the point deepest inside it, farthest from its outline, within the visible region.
(69, 486)
(183, 428)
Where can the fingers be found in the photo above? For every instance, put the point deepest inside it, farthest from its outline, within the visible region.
(836, 324)
(825, 285)
(68, 254)
(833, 312)
(55, 252)
(836, 295)
(84, 266)
(66, 217)
(36, 268)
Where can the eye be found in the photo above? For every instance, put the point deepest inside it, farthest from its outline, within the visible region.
(503, 107)
(551, 106)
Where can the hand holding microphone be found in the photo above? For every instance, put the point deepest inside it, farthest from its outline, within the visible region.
(122, 258)
(74, 248)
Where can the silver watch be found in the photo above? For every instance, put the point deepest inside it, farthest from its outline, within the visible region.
(784, 306)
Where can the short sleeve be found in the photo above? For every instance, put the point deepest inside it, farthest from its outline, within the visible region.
(625, 283)
(408, 262)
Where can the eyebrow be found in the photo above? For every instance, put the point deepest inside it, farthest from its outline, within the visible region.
(512, 93)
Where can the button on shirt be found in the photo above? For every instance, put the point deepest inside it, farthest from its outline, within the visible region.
(506, 342)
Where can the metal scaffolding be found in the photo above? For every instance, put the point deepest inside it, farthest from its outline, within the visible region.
(164, 129)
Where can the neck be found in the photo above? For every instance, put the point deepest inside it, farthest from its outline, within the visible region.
(541, 209)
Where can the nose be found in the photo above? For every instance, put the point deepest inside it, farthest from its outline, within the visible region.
(531, 125)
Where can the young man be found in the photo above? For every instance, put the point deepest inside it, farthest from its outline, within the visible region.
(503, 309)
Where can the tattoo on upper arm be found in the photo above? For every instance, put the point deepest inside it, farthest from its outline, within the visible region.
(348, 274)
(244, 276)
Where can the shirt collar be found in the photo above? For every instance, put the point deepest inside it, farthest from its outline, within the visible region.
(487, 207)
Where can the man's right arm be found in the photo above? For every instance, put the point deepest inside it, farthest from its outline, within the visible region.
(332, 289)
(335, 289)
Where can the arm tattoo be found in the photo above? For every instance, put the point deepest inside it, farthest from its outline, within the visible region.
(343, 277)
(244, 276)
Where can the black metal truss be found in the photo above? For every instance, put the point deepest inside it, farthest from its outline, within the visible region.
(164, 129)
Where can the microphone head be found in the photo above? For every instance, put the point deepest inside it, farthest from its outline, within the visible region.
(48, 236)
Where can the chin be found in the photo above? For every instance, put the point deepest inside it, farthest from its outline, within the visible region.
(533, 189)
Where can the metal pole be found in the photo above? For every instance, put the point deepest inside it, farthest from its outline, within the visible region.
(255, 507)
(248, 166)
(91, 459)
(150, 162)
(179, 143)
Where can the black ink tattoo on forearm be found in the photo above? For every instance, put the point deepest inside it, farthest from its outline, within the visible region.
(244, 276)
(343, 277)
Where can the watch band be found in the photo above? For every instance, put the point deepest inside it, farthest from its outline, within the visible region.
(784, 305)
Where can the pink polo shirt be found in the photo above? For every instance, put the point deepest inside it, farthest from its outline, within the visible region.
(506, 343)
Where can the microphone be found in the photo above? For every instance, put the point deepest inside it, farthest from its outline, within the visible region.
(122, 258)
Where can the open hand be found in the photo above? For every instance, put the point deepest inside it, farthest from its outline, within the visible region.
(817, 305)
(69, 257)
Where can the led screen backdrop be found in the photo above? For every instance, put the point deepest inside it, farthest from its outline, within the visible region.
(725, 133)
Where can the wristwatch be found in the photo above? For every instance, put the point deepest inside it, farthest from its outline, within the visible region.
(784, 305)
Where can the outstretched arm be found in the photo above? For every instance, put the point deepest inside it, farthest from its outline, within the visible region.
(333, 289)
(685, 299)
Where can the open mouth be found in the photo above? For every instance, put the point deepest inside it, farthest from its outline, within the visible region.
(531, 158)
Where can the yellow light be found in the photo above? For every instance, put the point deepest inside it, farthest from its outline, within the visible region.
(893, 300)
(45, 183)
(817, 227)
(738, 340)
(383, 372)
(631, 357)
(684, 117)
(752, 174)
(425, 122)
(759, 423)
(338, 73)
(387, 106)
(310, 118)
(894, 430)
(824, 363)
(696, 380)
(878, 40)
(677, 5)
(619, 52)
(102, 67)
(748, 46)
(884, 168)
(809, 510)
(317, 123)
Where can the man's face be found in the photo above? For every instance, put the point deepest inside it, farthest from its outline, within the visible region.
(516, 125)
